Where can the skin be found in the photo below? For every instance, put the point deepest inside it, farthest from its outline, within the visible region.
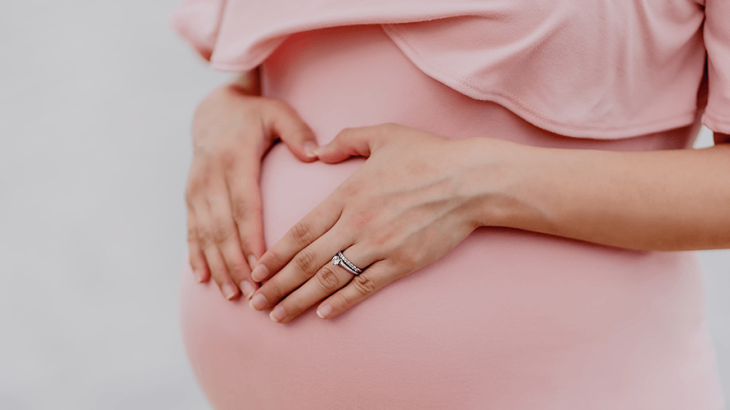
(419, 194)
(233, 127)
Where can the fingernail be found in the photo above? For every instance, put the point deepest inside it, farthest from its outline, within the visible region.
(251, 261)
(228, 291)
(257, 302)
(198, 276)
(310, 148)
(278, 314)
(259, 273)
(324, 311)
(247, 289)
(319, 149)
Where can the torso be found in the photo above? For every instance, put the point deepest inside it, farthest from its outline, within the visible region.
(507, 320)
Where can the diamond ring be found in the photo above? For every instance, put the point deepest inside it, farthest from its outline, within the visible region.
(341, 260)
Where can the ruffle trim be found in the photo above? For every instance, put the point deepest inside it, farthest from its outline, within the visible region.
(203, 25)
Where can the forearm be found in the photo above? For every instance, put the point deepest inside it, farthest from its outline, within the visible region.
(658, 200)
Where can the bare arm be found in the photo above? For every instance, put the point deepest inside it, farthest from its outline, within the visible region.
(419, 194)
(659, 200)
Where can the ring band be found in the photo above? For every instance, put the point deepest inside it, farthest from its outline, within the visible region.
(341, 260)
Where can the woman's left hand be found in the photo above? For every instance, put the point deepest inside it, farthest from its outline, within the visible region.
(409, 204)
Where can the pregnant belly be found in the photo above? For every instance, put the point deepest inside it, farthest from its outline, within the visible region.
(508, 319)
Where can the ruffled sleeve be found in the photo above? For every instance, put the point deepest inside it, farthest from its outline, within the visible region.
(198, 22)
(237, 35)
(717, 43)
(620, 70)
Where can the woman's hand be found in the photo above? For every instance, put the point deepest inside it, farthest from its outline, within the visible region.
(231, 132)
(405, 207)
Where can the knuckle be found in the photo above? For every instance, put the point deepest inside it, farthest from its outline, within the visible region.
(240, 209)
(382, 240)
(362, 218)
(384, 130)
(345, 132)
(273, 290)
(205, 238)
(302, 233)
(278, 104)
(227, 158)
(346, 301)
(364, 285)
(222, 232)
(275, 258)
(388, 127)
(304, 261)
(299, 133)
(191, 191)
(327, 278)
(405, 259)
(192, 234)
(237, 266)
(349, 190)
(207, 181)
(219, 274)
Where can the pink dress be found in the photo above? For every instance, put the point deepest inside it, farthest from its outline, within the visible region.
(507, 320)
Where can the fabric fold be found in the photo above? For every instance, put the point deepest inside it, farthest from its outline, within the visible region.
(599, 69)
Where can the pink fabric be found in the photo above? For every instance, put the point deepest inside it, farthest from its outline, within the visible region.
(507, 320)
(717, 41)
(592, 69)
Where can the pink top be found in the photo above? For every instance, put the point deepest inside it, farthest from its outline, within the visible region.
(594, 69)
(508, 319)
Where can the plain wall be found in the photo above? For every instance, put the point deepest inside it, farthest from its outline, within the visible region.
(95, 105)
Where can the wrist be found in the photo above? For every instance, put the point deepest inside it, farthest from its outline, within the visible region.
(245, 84)
(496, 176)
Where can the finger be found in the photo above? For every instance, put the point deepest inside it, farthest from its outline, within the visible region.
(318, 221)
(225, 236)
(246, 212)
(206, 238)
(300, 269)
(283, 122)
(246, 209)
(195, 254)
(325, 282)
(360, 287)
(353, 142)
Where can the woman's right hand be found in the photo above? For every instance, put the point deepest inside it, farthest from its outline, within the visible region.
(232, 130)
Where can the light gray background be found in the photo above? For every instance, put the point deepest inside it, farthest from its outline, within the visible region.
(95, 105)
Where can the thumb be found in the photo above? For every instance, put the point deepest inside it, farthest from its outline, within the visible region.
(285, 123)
(350, 142)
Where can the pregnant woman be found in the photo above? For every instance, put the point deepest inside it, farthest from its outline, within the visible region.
(512, 182)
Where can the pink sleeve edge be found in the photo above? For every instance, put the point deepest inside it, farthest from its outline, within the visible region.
(180, 25)
(716, 123)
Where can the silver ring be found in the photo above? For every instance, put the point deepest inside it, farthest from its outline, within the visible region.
(341, 260)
